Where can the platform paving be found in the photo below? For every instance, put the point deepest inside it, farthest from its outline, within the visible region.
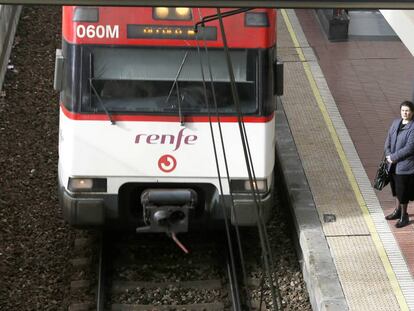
(368, 81)
(339, 158)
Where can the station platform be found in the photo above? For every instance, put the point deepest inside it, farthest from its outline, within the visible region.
(339, 101)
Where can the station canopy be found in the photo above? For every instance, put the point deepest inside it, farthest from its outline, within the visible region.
(350, 4)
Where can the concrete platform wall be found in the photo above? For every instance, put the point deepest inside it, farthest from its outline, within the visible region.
(9, 17)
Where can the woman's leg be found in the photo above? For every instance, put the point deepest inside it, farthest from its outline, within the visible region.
(397, 211)
(404, 220)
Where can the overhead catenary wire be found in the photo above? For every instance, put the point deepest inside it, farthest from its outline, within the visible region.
(231, 268)
(210, 18)
(235, 299)
(238, 240)
(254, 187)
(253, 183)
(267, 256)
(227, 167)
(262, 224)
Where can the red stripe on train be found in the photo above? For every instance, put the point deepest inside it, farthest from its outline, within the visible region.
(158, 118)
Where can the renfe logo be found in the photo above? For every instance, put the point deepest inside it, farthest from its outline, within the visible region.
(166, 139)
(167, 163)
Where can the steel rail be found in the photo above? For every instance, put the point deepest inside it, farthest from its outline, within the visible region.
(10, 15)
(106, 286)
(100, 295)
(287, 4)
(235, 294)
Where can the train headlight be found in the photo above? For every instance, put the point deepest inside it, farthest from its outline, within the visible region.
(180, 13)
(184, 13)
(244, 185)
(87, 184)
(161, 13)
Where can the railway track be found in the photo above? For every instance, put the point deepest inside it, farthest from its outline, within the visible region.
(128, 273)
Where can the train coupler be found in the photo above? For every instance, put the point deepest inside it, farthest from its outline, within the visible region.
(167, 210)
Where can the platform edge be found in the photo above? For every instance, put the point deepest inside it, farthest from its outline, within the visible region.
(318, 268)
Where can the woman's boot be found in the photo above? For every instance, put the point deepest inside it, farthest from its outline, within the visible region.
(395, 214)
(404, 220)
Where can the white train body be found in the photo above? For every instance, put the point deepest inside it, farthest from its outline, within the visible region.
(130, 151)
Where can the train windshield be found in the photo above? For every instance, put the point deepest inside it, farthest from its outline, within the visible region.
(160, 80)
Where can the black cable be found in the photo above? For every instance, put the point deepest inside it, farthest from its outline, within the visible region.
(260, 219)
(260, 205)
(239, 244)
(252, 178)
(261, 230)
(236, 298)
(213, 17)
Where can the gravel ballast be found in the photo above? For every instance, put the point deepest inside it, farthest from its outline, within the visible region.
(34, 241)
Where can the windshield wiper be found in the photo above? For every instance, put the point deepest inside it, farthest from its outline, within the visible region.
(179, 99)
(91, 74)
(101, 102)
(175, 83)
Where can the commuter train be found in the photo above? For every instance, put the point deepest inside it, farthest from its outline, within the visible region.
(143, 94)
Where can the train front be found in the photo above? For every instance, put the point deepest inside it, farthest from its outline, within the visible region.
(143, 96)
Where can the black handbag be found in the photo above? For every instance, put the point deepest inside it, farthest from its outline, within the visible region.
(382, 178)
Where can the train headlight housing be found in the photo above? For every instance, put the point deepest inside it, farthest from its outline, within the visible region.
(256, 19)
(86, 14)
(165, 13)
(241, 185)
(87, 184)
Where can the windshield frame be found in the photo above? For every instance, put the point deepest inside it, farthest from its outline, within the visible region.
(77, 92)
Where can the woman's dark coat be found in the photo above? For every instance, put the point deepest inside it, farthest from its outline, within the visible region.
(401, 147)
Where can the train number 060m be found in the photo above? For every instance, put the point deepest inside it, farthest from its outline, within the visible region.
(99, 31)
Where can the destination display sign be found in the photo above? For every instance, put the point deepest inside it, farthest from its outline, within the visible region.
(170, 32)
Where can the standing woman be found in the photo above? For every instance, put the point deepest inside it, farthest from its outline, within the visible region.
(399, 152)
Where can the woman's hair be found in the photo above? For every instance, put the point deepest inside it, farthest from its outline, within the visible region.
(408, 104)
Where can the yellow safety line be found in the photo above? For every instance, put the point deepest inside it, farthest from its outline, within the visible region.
(352, 180)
